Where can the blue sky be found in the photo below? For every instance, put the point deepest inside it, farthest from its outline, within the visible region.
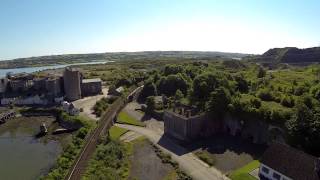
(46, 27)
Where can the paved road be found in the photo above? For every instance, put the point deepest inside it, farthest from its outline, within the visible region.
(187, 161)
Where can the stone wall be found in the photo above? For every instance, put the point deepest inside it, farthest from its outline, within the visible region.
(186, 129)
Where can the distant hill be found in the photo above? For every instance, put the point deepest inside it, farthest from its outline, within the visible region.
(290, 55)
(116, 56)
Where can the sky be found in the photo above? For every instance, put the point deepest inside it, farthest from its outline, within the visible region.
(48, 27)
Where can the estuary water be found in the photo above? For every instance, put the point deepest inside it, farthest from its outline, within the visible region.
(3, 72)
(22, 156)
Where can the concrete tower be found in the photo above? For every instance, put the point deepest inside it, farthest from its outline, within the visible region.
(72, 83)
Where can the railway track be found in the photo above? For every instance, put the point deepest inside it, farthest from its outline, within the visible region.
(91, 141)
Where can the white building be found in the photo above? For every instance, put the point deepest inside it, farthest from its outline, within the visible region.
(70, 108)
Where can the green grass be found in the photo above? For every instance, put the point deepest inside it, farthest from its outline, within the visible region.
(115, 132)
(243, 172)
(125, 118)
(206, 157)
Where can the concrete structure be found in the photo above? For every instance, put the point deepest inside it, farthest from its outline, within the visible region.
(91, 87)
(53, 86)
(3, 84)
(31, 100)
(72, 83)
(39, 84)
(182, 124)
(282, 162)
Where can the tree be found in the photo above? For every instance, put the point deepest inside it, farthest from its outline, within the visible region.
(298, 124)
(149, 89)
(150, 102)
(173, 69)
(170, 84)
(178, 96)
(219, 101)
(261, 72)
(242, 84)
(204, 84)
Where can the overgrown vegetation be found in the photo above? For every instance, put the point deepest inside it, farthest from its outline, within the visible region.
(102, 105)
(115, 132)
(110, 161)
(206, 157)
(66, 159)
(288, 98)
(125, 118)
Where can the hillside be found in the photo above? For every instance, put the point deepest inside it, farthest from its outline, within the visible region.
(145, 55)
(290, 55)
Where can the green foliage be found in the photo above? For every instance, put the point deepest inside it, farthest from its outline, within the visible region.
(66, 159)
(151, 105)
(110, 162)
(243, 173)
(115, 132)
(287, 101)
(173, 69)
(303, 128)
(149, 89)
(218, 101)
(170, 84)
(125, 118)
(179, 95)
(261, 72)
(206, 157)
(102, 105)
(265, 94)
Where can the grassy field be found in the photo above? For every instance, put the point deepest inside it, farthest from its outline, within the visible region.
(243, 173)
(125, 118)
(115, 132)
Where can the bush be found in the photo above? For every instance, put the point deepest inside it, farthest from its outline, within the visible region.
(265, 94)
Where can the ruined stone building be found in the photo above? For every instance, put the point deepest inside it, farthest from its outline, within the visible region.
(3, 85)
(182, 124)
(91, 87)
(72, 83)
(53, 86)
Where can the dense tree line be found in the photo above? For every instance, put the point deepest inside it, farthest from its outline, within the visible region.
(248, 91)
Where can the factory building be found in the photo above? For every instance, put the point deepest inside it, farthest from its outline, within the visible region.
(91, 87)
(72, 83)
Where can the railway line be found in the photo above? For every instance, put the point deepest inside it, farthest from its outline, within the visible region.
(91, 141)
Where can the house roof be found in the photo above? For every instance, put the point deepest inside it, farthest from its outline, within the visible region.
(291, 162)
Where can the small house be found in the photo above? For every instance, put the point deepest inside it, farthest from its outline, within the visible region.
(282, 162)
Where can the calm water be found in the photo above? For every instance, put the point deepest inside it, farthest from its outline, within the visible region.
(26, 158)
(3, 72)
(22, 157)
